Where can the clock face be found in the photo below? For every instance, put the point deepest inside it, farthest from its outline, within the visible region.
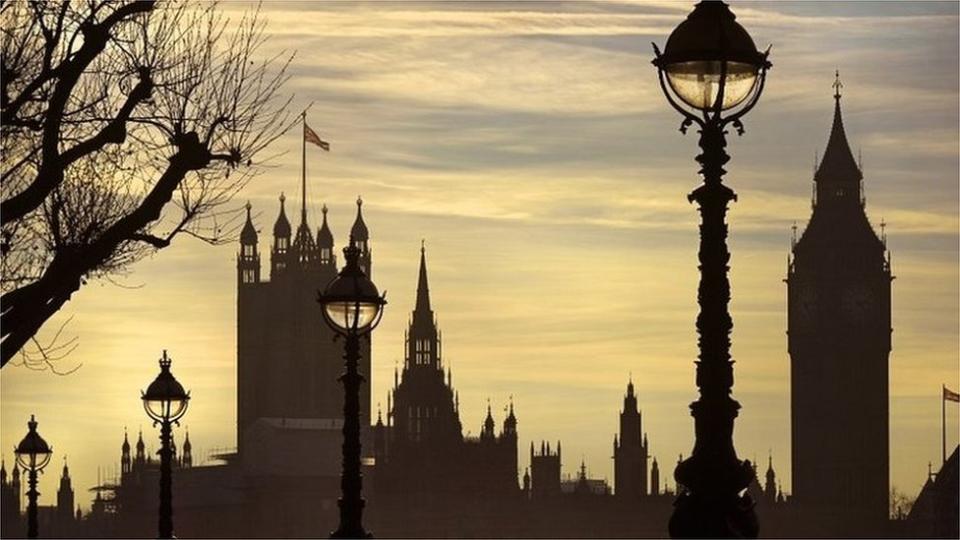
(858, 304)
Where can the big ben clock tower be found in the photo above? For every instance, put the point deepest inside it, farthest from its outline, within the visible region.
(838, 318)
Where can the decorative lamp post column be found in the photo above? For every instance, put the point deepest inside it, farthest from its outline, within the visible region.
(712, 73)
(352, 307)
(33, 454)
(165, 402)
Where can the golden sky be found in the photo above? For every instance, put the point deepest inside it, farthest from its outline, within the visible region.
(529, 144)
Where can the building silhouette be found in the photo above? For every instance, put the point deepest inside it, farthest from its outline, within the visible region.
(61, 520)
(936, 511)
(630, 451)
(545, 470)
(426, 470)
(838, 290)
(287, 360)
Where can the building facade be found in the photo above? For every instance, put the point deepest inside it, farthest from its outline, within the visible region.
(287, 361)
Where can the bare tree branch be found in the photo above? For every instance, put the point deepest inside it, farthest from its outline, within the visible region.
(123, 125)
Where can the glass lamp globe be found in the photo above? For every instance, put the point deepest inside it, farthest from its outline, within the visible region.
(33, 452)
(165, 399)
(351, 302)
(709, 51)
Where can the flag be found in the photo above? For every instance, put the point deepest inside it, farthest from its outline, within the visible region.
(311, 136)
(950, 395)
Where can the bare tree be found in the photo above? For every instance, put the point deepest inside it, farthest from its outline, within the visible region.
(124, 124)
(900, 504)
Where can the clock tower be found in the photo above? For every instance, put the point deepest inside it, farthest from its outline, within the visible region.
(838, 319)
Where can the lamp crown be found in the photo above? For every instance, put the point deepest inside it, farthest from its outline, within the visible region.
(165, 361)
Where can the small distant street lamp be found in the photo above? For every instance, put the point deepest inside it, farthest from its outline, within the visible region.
(33, 454)
(352, 306)
(165, 402)
(712, 73)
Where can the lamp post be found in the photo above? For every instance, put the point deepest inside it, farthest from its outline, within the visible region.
(33, 453)
(165, 402)
(712, 73)
(352, 307)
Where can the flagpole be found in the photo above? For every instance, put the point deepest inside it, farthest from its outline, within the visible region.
(303, 176)
(943, 424)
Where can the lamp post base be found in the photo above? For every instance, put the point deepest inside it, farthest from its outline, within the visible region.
(357, 533)
(701, 516)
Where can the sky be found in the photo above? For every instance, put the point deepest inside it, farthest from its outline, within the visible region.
(529, 145)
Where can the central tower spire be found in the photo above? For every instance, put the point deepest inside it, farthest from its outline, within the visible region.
(838, 176)
(423, 289)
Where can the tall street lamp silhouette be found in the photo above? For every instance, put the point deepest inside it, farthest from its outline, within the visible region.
(711, 72)
(33, 453)
(352, 306)
(165, 402)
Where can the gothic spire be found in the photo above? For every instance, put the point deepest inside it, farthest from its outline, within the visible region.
(423, 289)
(248, 236)
(281, 229)
(324, 236)
(838, 164)
(359, 232)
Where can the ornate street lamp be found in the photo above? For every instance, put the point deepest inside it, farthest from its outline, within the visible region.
(711, 72)
(352, 307)
(165, 402)
(33, 453)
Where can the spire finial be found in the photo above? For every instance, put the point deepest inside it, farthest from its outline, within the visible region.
(359, 201)
(283, 198)
(324, 209)
(423, 245)
(837, 85)
(248, 206)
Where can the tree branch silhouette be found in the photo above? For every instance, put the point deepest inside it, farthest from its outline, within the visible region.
(124, 125)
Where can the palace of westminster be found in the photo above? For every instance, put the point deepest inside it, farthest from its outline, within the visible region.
(425, 478)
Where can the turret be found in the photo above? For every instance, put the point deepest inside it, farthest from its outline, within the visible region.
(126, 465)
(325, 243)
(280, 255)
(3, 473)
(248, 260)
(361, 237)
(379, 439)
(770, 486)
(510, 423)
(630, 450)
(526, 478)
(141, 456)
(488, 426)
(187, 459)
(65, 494)
(654, 478)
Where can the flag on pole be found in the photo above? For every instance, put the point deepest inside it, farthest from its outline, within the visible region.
(950, 395)
(311, 137)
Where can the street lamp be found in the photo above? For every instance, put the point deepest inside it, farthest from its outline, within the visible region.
(165, 402)
(33, 453)
(712, 73)
(352, 306)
